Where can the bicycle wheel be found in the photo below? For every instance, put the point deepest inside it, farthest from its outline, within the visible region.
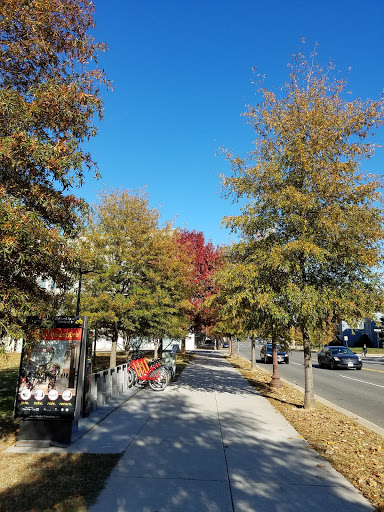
(131, 377)
(161, 379)
(170, 371)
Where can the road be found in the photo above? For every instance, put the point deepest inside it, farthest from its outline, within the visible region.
(360, 392)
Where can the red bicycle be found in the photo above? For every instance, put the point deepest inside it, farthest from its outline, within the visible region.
(153, 374)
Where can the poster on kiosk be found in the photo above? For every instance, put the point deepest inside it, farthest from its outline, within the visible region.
(50, 372)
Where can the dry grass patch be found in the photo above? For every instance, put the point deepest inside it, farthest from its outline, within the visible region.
(352, 449)
(52, 482)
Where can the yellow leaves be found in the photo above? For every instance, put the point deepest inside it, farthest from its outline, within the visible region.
(8, 240)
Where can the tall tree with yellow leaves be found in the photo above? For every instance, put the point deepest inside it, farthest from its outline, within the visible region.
(312, 221)
(141, 280)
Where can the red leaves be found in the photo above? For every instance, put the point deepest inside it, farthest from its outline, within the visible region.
(205, 260)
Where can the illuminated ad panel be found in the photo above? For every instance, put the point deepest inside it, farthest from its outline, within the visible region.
(48, 375)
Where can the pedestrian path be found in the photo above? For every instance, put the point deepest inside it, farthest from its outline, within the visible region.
(211, 443)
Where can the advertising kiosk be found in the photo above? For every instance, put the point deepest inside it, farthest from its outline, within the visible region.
(53, 377)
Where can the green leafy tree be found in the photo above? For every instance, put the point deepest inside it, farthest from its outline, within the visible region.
(141, 280)
(248, 296)
(49, 97)
(311, 215)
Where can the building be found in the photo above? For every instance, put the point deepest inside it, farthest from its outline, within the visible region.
(350, 336)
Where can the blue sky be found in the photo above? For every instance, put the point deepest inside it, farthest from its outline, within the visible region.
(182, 76)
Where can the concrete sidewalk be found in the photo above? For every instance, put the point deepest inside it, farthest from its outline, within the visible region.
(210, 442)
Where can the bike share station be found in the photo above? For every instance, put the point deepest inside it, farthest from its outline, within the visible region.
(56, 387)
(54, 382)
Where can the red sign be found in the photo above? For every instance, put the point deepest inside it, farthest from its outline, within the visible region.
(69, 334)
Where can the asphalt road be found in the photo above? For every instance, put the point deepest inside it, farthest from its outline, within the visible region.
(360, 392)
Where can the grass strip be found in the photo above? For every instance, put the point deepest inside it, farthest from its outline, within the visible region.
(52, 482)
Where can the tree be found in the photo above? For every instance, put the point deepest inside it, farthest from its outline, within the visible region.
(48, 98)
(311, 214)
(205, 262)
(248, 294)
(142, 280)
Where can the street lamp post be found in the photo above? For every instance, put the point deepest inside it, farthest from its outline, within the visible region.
(81, 273)
(275, 381)
(78, 294)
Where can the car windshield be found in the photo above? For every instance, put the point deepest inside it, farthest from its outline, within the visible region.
(269, 348)
(341, 350)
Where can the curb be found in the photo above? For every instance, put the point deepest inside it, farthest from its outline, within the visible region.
(353, 416)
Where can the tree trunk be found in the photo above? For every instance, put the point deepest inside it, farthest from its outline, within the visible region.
(253, 353)
(231, 346)
(160, 347)
(275, 381)
(112, 361)
(309, 397)
(238, 348)
(127, 346)
(156, 353)
(182, 348)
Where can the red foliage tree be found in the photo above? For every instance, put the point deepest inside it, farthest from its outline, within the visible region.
(205, 258)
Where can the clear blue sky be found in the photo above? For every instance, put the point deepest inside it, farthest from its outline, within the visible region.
(182, 75)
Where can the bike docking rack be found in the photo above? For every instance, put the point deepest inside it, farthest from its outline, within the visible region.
(107, 385)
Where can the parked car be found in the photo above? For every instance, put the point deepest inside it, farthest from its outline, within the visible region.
(339, 357)
(225, 345)
(266, 354)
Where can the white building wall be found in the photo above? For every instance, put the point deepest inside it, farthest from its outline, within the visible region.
(104, 344)
(190, 343)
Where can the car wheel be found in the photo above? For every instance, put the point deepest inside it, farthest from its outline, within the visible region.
(359, 368)
(287, 360)
(320, 364)
(333, 366)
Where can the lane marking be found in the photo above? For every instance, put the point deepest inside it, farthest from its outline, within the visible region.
(363, 381)
(372, 370)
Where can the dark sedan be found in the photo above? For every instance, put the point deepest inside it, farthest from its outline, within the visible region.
(267, 357)
(339, 357)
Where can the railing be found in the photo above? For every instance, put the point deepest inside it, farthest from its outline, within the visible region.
(106, 385)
